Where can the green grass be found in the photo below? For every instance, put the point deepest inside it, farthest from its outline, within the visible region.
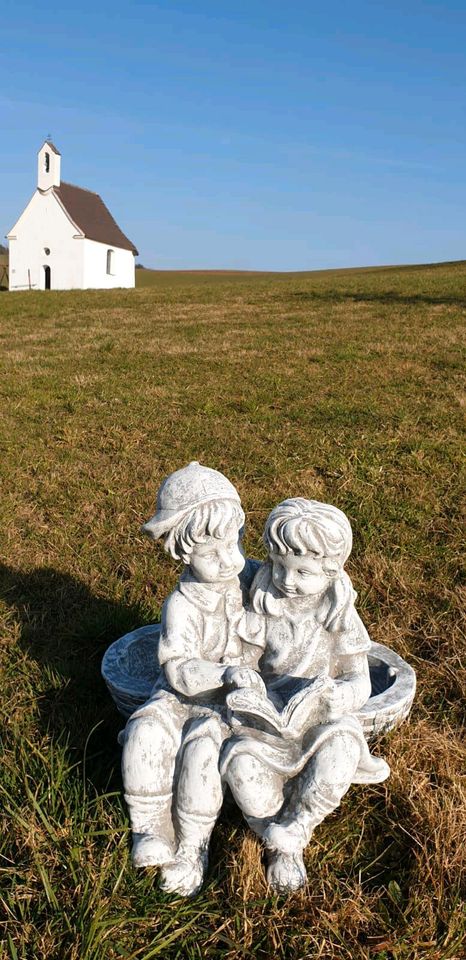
(345, 386)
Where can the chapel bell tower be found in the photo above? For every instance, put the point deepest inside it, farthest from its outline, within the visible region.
(48, 166)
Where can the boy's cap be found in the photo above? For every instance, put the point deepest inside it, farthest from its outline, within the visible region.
(184, 490)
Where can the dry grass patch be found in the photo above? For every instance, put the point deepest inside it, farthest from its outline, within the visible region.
(344, 386)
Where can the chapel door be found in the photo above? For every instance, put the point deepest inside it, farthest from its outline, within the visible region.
(47, 278)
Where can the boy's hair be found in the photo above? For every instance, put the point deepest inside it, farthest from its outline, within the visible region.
(210, 519)
(302, 526)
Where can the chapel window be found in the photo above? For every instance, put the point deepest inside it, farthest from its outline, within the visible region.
(109, 261)
(47, 163)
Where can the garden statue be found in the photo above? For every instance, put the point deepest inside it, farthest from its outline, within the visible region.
(260, 677)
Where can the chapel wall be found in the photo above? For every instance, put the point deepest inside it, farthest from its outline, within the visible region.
(44, 226)
(95, 274)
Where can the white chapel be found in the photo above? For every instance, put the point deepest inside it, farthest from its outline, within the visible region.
(66, 238)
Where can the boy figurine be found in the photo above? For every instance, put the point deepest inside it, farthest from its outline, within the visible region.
(171, 744)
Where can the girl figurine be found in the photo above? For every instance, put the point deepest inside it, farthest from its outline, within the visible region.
(288, 775)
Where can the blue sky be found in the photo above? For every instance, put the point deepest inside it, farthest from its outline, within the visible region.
(256, 135)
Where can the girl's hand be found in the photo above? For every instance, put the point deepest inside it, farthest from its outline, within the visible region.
(333, 701)
(236, 676)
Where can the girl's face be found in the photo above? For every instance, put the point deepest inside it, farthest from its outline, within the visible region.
(298, 576)
(215, 561)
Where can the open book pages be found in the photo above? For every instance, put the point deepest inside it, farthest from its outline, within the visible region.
(247, 707)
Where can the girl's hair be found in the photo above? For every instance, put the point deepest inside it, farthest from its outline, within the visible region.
(210, 519)
(302, 526)
(306, 526)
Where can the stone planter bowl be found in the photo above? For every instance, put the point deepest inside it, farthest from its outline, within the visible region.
(130, 667)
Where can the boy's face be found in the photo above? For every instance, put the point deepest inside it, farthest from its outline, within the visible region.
(215, 560)
(296, 576)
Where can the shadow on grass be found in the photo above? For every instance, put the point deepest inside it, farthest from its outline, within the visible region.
(387, 297)
(66, 629)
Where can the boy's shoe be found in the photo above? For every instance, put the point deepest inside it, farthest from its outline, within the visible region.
(150, 851)
(185, 874)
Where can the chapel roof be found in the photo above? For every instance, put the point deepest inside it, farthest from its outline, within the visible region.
(89, 213)
(53, 148)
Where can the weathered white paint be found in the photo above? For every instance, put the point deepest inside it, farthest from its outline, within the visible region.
(257, 677)
(75, 262)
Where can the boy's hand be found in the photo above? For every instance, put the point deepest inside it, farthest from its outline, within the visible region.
(243, 677)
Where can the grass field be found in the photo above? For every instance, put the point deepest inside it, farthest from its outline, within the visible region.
(3, 271)
(343, 386)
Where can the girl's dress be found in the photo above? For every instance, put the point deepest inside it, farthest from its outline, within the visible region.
(300, 641)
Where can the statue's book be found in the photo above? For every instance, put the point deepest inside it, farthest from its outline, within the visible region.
(249, 707)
